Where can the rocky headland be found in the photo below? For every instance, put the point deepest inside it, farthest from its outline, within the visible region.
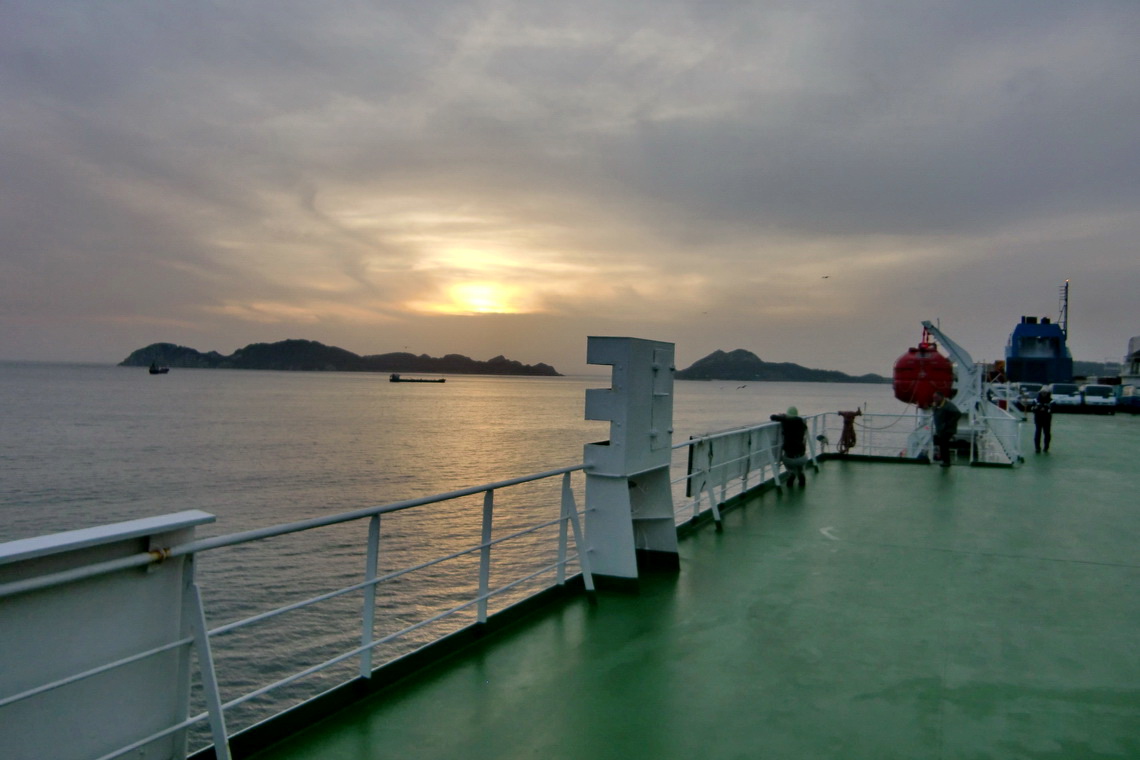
(745, 365)
(311, 356)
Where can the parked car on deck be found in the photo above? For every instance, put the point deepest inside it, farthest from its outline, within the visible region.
(1129, 399)
(1027, 394)
(1099, 398)
(1066, 396)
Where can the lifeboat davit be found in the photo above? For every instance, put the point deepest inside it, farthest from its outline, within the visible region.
(920, 373)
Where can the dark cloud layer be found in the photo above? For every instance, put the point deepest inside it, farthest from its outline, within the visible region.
(219, 173)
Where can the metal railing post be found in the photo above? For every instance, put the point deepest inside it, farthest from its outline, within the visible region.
(485, 554)
(563, 530)
(696, 493)
(713, 504)
(570, 512)
(702, 473)
(368, 614)
(811, 442)
(213, 697)
(747, 462)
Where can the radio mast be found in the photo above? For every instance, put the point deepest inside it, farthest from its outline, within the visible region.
(1063, 318)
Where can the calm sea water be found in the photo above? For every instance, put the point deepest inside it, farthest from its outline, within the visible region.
(83, 445)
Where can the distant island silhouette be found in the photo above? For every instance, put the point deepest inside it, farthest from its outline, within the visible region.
(745, 365)
(311, 356)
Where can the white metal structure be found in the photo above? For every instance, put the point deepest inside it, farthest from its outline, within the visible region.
(628, 499)
(991, 430)
(730, 457)
(97, 625)
(97, 628)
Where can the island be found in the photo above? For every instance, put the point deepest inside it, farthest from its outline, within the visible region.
(311, 356)
(745, 365)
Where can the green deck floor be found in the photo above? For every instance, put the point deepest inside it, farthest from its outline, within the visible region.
(885, 611)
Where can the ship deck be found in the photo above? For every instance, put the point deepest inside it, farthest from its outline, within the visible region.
(883, 611)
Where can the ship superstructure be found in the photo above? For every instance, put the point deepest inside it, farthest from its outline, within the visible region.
(1038, 351)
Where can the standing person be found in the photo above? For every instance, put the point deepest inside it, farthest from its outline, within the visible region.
(945, 426)
(793, 431)
(1042, 420)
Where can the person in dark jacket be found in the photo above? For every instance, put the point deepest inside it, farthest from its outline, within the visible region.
(945, 426)
(793, 432)
(1042, 420)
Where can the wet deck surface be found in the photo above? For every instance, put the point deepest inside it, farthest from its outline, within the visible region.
(885, 611)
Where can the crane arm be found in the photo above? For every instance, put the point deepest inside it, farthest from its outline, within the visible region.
(957, 353)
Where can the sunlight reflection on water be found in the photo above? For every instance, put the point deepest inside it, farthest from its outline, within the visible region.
(82, 445)
(85, 445)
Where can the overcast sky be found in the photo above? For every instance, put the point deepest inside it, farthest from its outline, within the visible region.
(807, 179)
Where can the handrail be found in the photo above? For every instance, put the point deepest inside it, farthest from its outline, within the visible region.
(218, 708)
(238, 624)
(320, 522)
(155, 736)
(95, 671)
(567, 517)
(234, 539)
(740, 460)
(355, 652)
(737, 484)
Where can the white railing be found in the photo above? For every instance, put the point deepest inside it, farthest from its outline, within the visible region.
(491, 556)
(999, 441)
(463, 597)
(876, 435)
(991, 436)
(717, 467)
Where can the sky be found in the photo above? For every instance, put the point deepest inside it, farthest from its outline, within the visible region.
(804, 179)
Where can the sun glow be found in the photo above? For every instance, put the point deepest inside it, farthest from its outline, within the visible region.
(480, 298)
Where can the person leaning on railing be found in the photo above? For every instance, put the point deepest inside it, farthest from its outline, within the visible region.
(793, 431)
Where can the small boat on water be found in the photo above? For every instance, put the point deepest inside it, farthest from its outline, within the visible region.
(395, 378)
(157, 370)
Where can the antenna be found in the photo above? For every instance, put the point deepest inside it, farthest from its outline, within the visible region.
(1064, 309)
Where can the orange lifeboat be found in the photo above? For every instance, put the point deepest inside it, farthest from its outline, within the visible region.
(921, 372)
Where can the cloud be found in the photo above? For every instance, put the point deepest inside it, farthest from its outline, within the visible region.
(340, 171)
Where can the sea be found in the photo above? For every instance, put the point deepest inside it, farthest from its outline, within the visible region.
(84, 445)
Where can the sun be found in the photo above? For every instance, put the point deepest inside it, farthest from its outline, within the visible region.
(480, 298)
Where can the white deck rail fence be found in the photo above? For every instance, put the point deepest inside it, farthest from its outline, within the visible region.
(105, 630)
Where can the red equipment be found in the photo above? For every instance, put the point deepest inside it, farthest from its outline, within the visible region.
(921, 372)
